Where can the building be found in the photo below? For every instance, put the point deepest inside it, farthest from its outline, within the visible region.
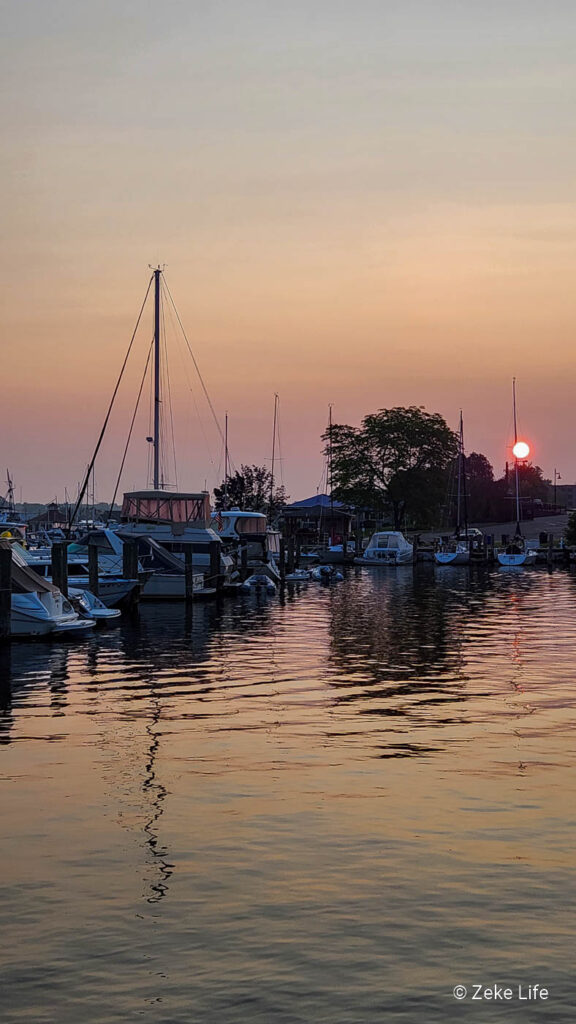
(318, 520)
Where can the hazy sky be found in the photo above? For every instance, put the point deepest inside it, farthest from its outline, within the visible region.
(359, 203)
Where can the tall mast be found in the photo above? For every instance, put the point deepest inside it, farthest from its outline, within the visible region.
(156, 480)
(330, 472)
(226, 463)
(459, 491)
(515, 458)
(273, 456)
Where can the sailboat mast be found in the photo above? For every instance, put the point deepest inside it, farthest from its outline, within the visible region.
(226, 463)
(330, 473)
(273, 455)
(516, 458)
(156, 478)
(459, 491)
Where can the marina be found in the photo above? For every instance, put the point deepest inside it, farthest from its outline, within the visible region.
(289, 808)
(288, 513)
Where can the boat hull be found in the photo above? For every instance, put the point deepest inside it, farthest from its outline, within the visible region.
(452, 557)
(522, 558)
(385, 562)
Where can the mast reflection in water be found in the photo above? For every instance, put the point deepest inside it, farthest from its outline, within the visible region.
(332, 806)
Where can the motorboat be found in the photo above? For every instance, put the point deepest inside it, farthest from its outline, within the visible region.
(245, 535)
(258, 582)
(113, 590)
(176, 522)
(388, 547)
(89, 606)
(298, 576)
(326, 574)
(161, 572)
(38, 608)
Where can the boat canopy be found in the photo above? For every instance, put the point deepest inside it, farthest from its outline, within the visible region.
(24, 579)
(252, 524)
(166, 507)
(388, 540)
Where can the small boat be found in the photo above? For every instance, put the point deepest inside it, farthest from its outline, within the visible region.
(298, 576)
(89, 606)
(326, 574)
(456, 550)
(388, 547)
(260, 583)
(518, 552)
(38, 607)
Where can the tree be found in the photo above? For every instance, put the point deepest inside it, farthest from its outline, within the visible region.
(531, 481)
(570, 531)
(480, 488)
(396, 460)
(249, 489)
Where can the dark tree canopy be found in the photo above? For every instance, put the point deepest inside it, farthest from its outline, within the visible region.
(396, 460)
(249, 489)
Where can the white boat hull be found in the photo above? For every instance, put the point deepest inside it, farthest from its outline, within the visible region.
(452, 557)
(169, 586)
(522, 558)
(386, 559)
(30, 617)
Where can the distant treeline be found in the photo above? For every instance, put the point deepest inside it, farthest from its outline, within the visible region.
(402, 464)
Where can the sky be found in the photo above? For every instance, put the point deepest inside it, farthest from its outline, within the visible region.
(364, 204)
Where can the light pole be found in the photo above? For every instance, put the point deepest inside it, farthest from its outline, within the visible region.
(556, 477)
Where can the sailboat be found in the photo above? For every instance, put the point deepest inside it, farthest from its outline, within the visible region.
(456, 551)
(165, 524)
(517, 553)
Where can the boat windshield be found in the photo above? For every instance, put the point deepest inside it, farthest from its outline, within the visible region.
(251, 525)
(387, 542)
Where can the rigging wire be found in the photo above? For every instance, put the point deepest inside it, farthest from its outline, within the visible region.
(169, 392)
(130, 431)
(219, 428)
(192, 392)
(110, 407)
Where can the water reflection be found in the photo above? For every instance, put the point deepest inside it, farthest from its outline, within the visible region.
(332, 806)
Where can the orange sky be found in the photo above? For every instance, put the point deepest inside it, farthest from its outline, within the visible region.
(368, 204)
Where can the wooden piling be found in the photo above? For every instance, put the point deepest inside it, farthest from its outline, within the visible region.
(60, 566)
(216, 578)
(290, 560)
(188, 574)
(358, 543)
(297, 554)
(93, 582)
(550, 552)
(282, 559)
(130, 560)
(5, 592)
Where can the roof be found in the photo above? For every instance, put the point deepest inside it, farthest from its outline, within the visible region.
(318, 501)
(165, 495)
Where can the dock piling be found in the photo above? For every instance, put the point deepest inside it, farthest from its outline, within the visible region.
(189, 574)
(5, 592)
(60, 566)
(291, 550)
(93, 582)
(216, 578)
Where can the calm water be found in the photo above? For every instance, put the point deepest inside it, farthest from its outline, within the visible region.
(329, 809)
